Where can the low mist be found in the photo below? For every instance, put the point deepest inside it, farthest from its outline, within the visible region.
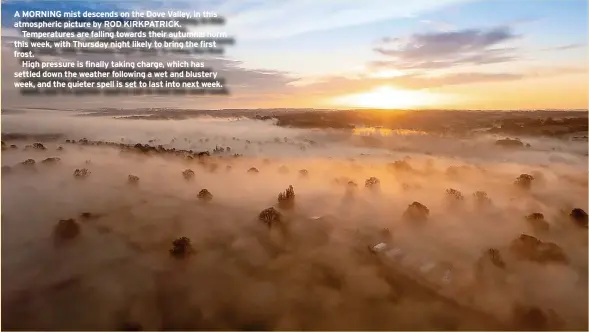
(316, 271)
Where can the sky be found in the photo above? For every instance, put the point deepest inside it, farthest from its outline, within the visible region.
(418, 54)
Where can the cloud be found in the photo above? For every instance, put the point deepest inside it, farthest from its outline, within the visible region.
(566, 47)
(467, 78)
(344, 85)
(268, 19)
(248, 87)
(415, 57)
(447, 49)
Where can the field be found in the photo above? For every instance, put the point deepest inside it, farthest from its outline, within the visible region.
(408, 221)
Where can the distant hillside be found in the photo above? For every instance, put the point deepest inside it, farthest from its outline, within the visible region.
(553, 123)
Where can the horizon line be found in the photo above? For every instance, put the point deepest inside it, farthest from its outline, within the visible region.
(321, 109)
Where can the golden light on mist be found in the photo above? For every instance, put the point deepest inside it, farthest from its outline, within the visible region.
(387, 97)
(361, 131)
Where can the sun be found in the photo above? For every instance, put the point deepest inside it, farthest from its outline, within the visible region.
(386, 97)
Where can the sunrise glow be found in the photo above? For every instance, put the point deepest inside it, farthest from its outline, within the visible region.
(390, 98)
